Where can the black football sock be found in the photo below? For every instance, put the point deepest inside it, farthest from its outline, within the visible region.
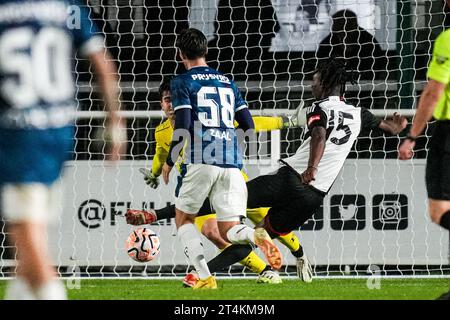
(445, 220)
(266, 269)
(169, 211)
(271, 233)
(166, 212)
(299, 253)
(232, 254)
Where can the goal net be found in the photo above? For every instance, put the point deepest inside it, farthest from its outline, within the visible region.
(375, 217)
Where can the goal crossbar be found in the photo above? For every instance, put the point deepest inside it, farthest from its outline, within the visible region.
(263, 112)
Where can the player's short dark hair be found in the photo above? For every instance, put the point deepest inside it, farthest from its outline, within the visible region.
(192, 43)
(164, 86)
(333, 73)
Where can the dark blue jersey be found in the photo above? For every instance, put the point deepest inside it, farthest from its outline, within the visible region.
(213, 100)
(37, 43)
(38, 40)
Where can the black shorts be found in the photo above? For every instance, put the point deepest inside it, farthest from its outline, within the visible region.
(437, 175)
(292, 202)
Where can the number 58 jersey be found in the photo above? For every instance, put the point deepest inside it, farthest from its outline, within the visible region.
(343, 123)
(213, 100)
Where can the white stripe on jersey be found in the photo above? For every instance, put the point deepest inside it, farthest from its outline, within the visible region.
(241, 107)
(184, 106)
(343, 127)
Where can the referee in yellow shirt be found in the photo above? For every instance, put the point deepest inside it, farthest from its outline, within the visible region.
(435, 102)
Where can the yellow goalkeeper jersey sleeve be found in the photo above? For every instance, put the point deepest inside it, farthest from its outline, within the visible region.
(163, 137)
(266, 123)
(439, 70)
(164, 133)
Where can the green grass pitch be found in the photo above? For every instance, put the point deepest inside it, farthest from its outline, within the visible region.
(248, 289)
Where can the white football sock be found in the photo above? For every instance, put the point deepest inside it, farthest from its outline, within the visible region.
(191, 241)
(18, 289)
(241, 234)
(52, 290)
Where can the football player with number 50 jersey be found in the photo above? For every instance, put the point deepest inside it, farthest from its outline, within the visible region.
(38, 40)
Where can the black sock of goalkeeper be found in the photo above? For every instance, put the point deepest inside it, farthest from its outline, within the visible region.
(169, 211)
(166, 212)
(232, 254)
(298, 253)
(445, 220)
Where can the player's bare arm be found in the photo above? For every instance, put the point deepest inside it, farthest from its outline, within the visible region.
(166, 172)
(395, 125)
(108, 81)
(428, 100)
(318, 139)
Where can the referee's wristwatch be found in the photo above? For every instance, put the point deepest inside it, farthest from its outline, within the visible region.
(411, 138)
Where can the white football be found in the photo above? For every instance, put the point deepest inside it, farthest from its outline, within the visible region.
(143, 245)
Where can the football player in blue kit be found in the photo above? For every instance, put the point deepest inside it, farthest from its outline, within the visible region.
(37, 46)
(206, 104)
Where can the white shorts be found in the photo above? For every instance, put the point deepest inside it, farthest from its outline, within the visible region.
(32, 202)
(225, 188)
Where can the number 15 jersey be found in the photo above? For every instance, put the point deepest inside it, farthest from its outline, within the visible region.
(213, 99)
(343, 123)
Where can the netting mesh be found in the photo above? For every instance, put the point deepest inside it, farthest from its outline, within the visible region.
(376, 212)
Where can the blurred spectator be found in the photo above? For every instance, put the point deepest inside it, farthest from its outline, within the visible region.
(243, 36)
(311, 7)
(347, 39)
(165, 19)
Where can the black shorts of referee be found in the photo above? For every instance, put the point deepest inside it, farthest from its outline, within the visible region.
(292, 202)
(437, 175)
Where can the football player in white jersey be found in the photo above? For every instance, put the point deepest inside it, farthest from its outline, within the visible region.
(296, 190)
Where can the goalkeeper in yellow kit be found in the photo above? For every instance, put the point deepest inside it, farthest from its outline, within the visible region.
(207, 224)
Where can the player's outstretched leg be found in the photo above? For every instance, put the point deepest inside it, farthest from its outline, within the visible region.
(269, 276)
(230, 254)
(191, 279)
(290, 241)
(208, 283)
(167, 212)
(241, 233)
(140, 217)
(256, 265)
(268, 247)
(304, 269)
(35, 276)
